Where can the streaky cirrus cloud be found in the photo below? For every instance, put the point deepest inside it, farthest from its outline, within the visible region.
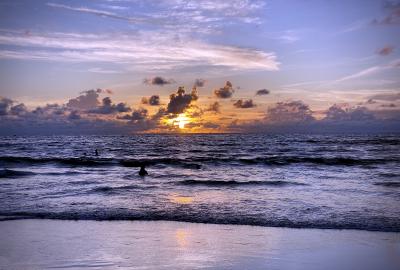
(151, 50)
(203, 16)
(392, 17)
(372, 70)
(389, 96)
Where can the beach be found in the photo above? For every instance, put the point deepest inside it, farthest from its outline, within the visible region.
(59, 244)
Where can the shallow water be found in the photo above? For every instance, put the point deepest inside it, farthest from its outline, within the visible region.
(350, 182)
(59, 244)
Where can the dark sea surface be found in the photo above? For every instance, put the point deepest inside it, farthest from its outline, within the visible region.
(342, 182)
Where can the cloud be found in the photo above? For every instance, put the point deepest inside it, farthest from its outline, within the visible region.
(108, 107)
(371, 70)
(149, 50)
(344, 113)
(62, 119)
(101, 13)
(393, 14)
(214, 107)
(210, 125)
(180, 101)
(19, 109)
(87, 101)
(291, 111)
(74, 115)
(136, 115)
(390, 105)
(244, 104)
(386, 96)
(262, 92)
(282, 117)
(224, 92)
(180, 15)
(154, 100)
(199, 83)
(385, 50)
(5, 105)
(160, 81)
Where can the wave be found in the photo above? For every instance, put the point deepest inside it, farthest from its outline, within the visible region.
(238, 183)
(6, 173)
(390, 175)
(366, 223)
(388, 184)
(196, 162)
(108, 189)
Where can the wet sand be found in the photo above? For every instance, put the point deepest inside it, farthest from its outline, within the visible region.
(55, 244)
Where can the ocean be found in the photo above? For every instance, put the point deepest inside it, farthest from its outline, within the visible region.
(299, 181)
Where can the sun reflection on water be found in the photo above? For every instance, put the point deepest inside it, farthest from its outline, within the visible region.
(181, 199)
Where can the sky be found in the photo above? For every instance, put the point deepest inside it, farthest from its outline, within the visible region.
(127, 66)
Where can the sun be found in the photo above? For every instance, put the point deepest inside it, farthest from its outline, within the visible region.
(181, 120)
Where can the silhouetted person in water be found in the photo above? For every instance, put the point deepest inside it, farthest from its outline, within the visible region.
(96, 152)
(143, 171)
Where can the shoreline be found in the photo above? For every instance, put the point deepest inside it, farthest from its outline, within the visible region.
(27, 217)
(71, 244)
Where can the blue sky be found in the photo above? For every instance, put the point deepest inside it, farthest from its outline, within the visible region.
(320, 52)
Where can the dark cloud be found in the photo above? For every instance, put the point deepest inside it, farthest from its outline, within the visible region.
(136, 115)
(244, 104)
(390, 105)
(214, 107)
(370, 101)
(19, 109)
(340, 113)
(74, 115)
(160, 81)
(108, 107)
(392, 14)
(262, 92)
(225, 92)
(385, 50)
(87, 101)
(5, 105)
(154, 100)
(292, 111)
(199, 82)
(50, 110)
(180, 101)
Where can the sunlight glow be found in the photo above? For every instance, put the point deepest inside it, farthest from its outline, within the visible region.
(181, 199)
(181, 120)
